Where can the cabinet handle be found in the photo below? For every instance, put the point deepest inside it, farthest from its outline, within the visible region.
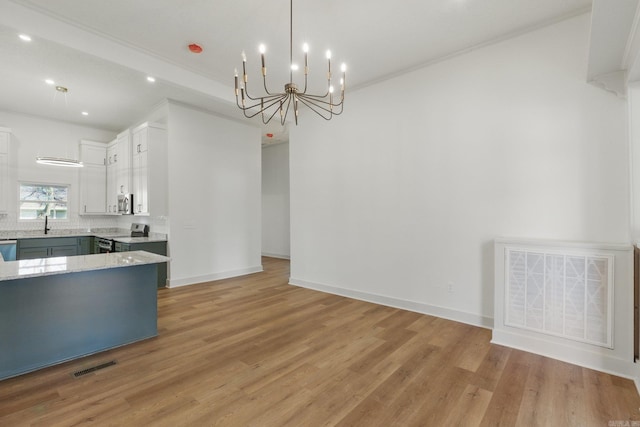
(138, 148)
(115, 158)
(85, 208)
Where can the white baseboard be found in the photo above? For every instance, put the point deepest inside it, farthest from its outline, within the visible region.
(596, 358)
(432, 310)
(270, 255)
(174, 283)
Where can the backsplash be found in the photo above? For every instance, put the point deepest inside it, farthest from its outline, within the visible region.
(10, 222)
(158, 224)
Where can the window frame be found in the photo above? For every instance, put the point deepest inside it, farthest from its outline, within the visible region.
(42, 184)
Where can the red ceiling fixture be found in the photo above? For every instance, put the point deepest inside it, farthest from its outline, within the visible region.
(195, 48)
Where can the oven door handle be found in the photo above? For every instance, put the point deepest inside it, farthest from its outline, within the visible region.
(105, 245)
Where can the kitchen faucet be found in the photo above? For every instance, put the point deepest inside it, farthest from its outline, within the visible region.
(46, 221)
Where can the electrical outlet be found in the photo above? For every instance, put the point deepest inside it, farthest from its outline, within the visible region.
(450, 287)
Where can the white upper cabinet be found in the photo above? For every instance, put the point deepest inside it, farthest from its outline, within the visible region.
(123, 163)
(112, 178)
(93, 178)
(149, 169)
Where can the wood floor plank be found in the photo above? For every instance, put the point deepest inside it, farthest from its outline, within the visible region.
(255, 351)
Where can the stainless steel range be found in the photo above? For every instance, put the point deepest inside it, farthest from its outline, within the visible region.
(103, 245)
(107, 245)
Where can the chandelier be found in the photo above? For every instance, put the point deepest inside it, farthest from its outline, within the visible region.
(268, 106)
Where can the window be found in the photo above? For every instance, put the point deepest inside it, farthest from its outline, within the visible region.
(38, 200)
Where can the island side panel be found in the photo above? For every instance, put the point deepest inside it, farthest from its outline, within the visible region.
(51, 319)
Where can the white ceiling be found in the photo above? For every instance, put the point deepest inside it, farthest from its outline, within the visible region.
(103, 50)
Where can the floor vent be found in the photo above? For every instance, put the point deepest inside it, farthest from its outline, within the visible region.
(78, 374)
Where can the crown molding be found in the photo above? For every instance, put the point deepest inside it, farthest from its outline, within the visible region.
(615, 82)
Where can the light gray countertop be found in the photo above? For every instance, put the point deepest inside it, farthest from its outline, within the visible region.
(117, 234)
(10, 270)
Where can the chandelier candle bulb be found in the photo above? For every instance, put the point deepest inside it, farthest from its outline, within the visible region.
(236, 81)
(262, 51)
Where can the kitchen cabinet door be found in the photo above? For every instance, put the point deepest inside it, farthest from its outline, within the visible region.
(93, 178)
(85, 245)
(31, 253)
(143, 183)
(149, 169)
(52, 247)
(123, 163)
(69, 250)
(140, 170)
(93, 181)
(112, 191)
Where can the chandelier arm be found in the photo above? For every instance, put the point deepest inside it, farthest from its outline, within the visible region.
(275, 110)
(251, 107)
(245, 107)
(310, 95)
(283, 117)
(264, 83)
(269, 95)
(318, 101)
(318, 104)
(313, 107)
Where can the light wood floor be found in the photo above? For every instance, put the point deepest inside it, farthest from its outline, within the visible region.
(255, 351)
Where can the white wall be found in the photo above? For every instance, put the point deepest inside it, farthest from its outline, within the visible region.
(32, 137)
(633, 97)
(403, 194)
(214, 197)
(275, 201)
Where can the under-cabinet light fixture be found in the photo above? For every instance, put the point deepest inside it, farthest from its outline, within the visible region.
(57, 161)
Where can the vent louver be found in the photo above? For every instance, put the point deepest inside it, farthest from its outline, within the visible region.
(93, 369)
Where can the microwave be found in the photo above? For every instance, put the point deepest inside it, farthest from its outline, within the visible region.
(125, 204)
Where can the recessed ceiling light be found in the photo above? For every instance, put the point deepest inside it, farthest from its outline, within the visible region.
(24, 37)
(49, 82)
(151, 79)
(84, 113)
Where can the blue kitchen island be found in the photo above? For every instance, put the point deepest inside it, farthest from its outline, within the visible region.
(57, 309)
